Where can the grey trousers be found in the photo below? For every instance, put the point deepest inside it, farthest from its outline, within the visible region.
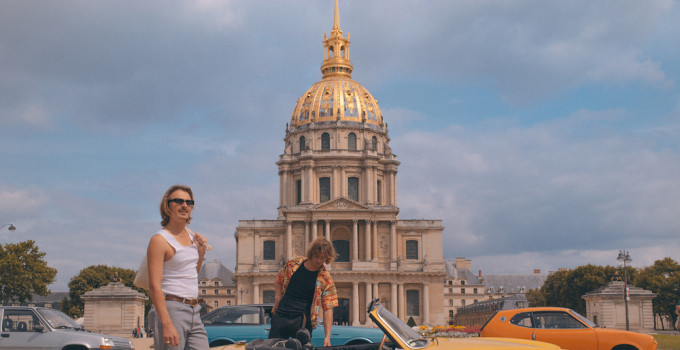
(187, 321)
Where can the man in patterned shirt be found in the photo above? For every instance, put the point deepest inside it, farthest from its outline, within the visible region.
(303, 287)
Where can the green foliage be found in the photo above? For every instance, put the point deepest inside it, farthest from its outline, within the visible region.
(535, 298)
(23, 272)
(662, 278)
(90, 278)
(411, 322)
(566, 287)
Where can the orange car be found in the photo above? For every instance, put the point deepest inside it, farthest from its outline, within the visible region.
(563, 327)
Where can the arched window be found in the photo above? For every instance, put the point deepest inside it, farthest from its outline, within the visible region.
(374, 143)
(269, 250)
(352, 141)
(298, 190)
(412, 250)
(324, 189)
(342, 249)
(325, 141)
(353, 188)
(302, 143)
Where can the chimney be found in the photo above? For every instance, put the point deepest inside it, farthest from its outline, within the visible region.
(537, 271)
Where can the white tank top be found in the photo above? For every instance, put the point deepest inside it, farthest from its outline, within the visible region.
(179, 273)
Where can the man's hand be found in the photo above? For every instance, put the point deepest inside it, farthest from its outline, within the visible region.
(327, 341)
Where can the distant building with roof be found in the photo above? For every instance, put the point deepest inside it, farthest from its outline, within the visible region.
(216, 285)
(499, 285)
(50, 301)
(461, 287)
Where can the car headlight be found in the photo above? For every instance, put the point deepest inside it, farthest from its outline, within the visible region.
(130, 344)
(107, 343)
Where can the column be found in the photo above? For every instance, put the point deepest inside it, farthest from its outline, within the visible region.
(393, 240)
(368, 240)
(315, 226)
(374, 244)
(284, 188)
(256, 293)
(401, 301)
(393, 301)
(307, 240)
(376, 290)
(355, 303)
(289, 239)
(355, 240)
(426, 304)
(369, 295)
(327, 230)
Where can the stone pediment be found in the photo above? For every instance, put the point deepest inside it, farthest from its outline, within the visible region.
(341, 204)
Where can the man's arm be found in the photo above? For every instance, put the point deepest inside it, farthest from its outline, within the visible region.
(327, 324)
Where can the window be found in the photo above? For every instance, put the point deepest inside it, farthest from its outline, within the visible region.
(324, 189)
(462, 283)
(203, 283)
(450, 302)
(450, 290)
(302, 143)
(450, 313)
(269, 250)
(268, 296)
(236, 315)
(216, 291)
(353, 188)
(474, 290)
(352, 141)
(462, 291)
(217, 304)
(217, 283)
(325, 141)
(228, 302)
(412, 250)
(22, 321)
(298, 191)
(378, 187)
(555, 320)
(204, 292)
(374, 143)
(462, 302)
(413, 303)
(342, 249)
(228, 291)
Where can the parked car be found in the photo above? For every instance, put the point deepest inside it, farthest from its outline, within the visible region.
(26, 327)
(231, 324)
(398, 335)
(564, 327)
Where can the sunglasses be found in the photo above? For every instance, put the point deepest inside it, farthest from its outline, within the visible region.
(180, 201)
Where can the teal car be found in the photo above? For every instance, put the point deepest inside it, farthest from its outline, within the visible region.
(232, 324)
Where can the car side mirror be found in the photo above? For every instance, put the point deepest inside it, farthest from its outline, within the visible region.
(39, 328)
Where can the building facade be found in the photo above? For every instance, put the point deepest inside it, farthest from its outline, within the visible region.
(216, 285)
(338, 180)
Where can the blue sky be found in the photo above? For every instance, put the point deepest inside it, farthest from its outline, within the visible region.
(544, 134)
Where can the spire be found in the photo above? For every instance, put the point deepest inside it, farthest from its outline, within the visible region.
(336, 51)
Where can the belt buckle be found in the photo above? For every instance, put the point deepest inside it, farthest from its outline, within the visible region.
(193, 302)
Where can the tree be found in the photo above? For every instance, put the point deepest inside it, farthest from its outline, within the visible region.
(23, 272)
(535, 298)
(566, 287)
(662, 278)
(90, 278)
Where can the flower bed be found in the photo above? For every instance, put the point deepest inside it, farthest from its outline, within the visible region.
(448, 331)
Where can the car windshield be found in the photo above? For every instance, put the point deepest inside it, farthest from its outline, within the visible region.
(58, 319)
(402, 330)
(583, 319)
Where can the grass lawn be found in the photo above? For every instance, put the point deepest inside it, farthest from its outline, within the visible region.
(667, 341)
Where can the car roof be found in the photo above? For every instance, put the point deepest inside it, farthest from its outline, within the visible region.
(533, 309)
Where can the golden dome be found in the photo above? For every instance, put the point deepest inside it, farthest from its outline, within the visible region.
(336, 97)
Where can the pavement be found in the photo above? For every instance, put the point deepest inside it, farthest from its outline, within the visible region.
(142, 343)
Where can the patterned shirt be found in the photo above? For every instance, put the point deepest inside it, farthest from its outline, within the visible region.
(325, 294)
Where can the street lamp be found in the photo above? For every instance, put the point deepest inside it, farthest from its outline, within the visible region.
(241, 291)
(11, 227)
(624, 256)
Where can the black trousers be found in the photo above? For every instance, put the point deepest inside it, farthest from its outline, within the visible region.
(286, 325)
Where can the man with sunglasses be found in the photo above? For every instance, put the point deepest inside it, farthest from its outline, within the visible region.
(175, 256)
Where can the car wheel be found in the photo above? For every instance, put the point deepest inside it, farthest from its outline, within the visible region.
(220, 343)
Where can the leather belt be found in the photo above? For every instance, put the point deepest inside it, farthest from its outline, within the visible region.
(192, 302)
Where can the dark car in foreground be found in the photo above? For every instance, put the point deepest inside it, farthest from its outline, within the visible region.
(32, 328)
(564, 327)
(231, 324)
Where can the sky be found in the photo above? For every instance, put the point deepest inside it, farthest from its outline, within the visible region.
(545, 134)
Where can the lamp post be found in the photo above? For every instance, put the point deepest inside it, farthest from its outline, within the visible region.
(624, 256)
(241, 291)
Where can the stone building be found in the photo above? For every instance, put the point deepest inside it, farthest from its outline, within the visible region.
(461, 287)
(216, 285)
(606, 307)
(114, 309)
(338, 180)
(505, 285)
